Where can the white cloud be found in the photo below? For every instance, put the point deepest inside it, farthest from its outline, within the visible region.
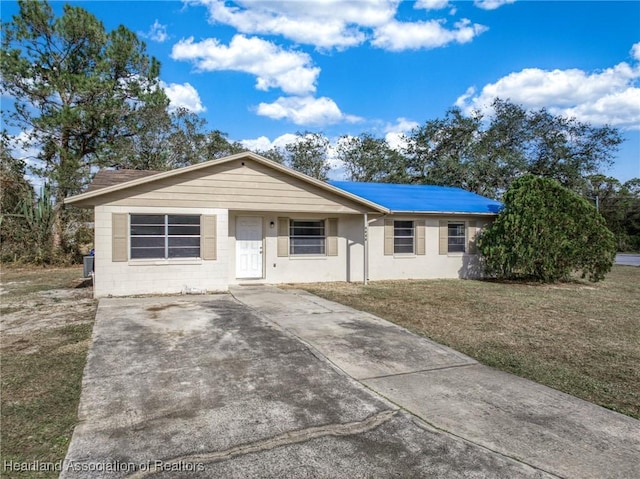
(609, 96)
(635, 51)
(305, 110)
(157, 32)
(491, 4)
(263, 143)
(397, 36)
(324, 24)
(24, 147)
(183, 96)
(395, 133)
(328, 24)
(273, 66)
(432, 4)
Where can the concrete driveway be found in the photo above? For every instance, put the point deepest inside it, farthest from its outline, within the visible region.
(628, 259)
(268, 383)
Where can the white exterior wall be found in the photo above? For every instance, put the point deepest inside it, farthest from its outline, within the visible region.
(346, 266)
(431, 265)
(174, 275)
(157, 276)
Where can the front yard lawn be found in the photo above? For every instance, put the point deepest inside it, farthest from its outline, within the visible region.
(46, 321)
(581, 338)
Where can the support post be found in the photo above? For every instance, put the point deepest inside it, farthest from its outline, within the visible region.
(366, 249)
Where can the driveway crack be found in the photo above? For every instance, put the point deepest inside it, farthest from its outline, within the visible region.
(292, 437)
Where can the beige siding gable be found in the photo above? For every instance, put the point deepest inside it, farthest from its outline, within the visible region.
(238, 185)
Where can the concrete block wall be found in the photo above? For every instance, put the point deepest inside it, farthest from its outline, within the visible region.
(157, 276)
(346, 266)
(431, 265)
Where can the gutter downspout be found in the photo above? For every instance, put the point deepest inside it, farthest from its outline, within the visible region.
(366, 249)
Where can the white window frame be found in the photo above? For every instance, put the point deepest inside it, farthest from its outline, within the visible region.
(397, 237)
(457, 237)
(293, 237)
(167, 235)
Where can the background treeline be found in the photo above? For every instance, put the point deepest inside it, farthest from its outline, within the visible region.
(85, 98)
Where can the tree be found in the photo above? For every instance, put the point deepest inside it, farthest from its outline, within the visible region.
(38, 215)
(499, 151)
(441, 152)
(568, 150)
(619, 204)
(545, 233)
(14, 190)
(171, 140)
(308, 154)
(78, 91)
(371, 159)
(485, 153)
(274, 154)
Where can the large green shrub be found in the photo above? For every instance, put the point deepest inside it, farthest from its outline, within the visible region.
(545, 233)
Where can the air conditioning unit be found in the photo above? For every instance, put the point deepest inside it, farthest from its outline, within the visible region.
(88, 266)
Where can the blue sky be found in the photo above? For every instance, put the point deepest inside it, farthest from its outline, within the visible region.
(263, 70)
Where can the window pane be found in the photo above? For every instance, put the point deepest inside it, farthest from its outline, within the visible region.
(137, 253)
(147, 219)
(456, 248)
(184, 219)
(308, 223)
(147, 241)
(403, 241)
(306, 228)
(403, 249)
(457, 239)
(403, 224)
(307, 237)
(306, 246)
(403, 232)
(184, 252)
(184, 241)
(456, 229)
(403, 237)
(184, 230)
(147, 230)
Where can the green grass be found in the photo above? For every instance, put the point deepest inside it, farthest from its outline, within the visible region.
(580, 338)
(41, 369)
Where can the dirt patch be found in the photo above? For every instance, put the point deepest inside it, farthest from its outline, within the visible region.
(46, 322)
(46, 310)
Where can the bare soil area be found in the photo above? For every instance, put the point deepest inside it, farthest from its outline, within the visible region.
(46, 319)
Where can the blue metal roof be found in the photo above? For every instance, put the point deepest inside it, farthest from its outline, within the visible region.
(420, 198)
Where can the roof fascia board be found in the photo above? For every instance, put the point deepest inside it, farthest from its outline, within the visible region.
(219, 161)
(440, 213)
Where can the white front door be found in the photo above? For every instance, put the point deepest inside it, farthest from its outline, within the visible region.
(248, 247)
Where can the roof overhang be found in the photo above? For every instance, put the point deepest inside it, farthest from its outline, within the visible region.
(88, 198)
(444, 213)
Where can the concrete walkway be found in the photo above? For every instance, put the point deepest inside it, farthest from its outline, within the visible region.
(537, 426)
